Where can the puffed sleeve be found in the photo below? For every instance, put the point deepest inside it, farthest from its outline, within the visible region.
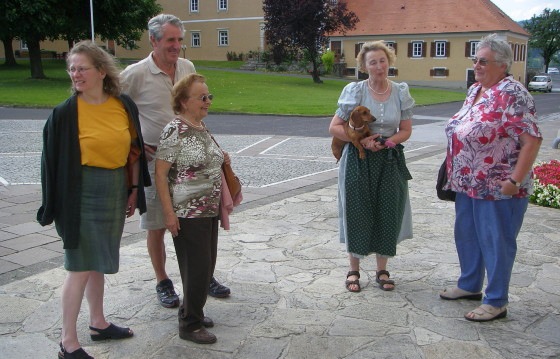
(169, 143)
(350, 97)
(407, 102)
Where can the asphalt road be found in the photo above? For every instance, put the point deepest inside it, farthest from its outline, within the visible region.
(236, 124)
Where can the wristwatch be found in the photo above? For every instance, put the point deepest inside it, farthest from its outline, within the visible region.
(517, 184)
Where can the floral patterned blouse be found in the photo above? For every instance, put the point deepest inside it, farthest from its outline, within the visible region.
(195, 174)
(483, 140)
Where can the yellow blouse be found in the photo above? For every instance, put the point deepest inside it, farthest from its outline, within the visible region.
(105, 133)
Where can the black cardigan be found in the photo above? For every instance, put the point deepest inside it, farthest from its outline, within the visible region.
(61, 174)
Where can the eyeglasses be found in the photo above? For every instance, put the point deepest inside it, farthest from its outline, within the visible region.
(80, 69)
(482, 62)
(208, 97)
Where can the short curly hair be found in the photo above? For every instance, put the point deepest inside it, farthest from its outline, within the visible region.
(181, 89)
(373, 46)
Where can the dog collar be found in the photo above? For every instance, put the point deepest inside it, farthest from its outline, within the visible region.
(354, 128)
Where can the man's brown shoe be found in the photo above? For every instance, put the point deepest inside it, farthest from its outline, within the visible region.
(201, 336)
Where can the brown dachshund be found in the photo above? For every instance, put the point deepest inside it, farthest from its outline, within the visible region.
(356, 128)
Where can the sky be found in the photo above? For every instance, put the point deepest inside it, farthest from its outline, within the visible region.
(525, 9)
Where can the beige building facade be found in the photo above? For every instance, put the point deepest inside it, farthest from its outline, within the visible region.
(434, 40)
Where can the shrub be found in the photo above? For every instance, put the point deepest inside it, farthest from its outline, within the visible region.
(328, 61)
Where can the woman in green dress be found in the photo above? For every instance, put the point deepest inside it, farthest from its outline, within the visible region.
(374, 207)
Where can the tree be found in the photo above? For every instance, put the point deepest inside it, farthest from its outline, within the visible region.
(121, 20)
(545, 33)
(35, 21)
(304, 26)
(6, 34)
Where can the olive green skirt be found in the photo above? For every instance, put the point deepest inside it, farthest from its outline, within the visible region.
(102, 215)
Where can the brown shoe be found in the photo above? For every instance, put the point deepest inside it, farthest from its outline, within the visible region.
(201, 336)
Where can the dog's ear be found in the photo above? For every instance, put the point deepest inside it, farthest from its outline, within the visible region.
(355, 115)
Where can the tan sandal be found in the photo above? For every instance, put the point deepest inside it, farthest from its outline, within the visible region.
(458, 293)
(486, 313)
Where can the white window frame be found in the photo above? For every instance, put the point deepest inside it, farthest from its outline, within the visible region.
(417, 47)
(222, 5)
(390, 44)
(194, 5)
(474, 44)
(195, 39)
(439, 68)
(223, 37)
(440, 48)
(22, 45)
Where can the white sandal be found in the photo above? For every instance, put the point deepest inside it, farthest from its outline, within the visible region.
(486, 313)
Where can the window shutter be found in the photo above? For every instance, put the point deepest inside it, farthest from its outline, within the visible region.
(395, 47)
(446, 72)
(432, 49)
(356, 50)
(396, 72)
(410, 49)
(468, 49)
(432, 72)
(447, 49)
(423, 49)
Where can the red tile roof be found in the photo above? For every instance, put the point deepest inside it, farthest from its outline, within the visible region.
(400, 17)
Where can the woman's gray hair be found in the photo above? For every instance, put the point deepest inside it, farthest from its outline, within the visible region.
(501, 49)
(156, 23)
(373, 46)
(102, 61)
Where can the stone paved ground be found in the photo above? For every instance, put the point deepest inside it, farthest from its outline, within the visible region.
(286, 271)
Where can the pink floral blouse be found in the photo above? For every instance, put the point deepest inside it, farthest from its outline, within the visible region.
(483, 140)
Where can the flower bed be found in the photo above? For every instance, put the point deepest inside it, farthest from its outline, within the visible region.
(547, 184)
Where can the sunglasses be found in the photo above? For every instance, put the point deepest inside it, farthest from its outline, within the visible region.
(208, 97)
(482, 62)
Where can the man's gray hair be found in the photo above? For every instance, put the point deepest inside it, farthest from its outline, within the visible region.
(501, 49)
(156, 23)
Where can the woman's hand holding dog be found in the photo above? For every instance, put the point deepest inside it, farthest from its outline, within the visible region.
(371, 144)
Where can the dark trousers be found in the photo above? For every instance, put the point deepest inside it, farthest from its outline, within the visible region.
(196, 246)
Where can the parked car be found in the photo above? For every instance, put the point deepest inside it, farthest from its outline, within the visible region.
(540, 83)
(553, 70)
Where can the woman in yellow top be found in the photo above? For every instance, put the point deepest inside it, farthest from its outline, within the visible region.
(87, 145)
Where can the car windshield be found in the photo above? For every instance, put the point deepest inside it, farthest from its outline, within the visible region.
(539, 79)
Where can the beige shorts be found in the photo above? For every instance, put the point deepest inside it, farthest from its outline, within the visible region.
(153, 217)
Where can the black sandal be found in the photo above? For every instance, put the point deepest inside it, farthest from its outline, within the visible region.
(76, 354)
(384, 282)
(353, 282)
(111, 332)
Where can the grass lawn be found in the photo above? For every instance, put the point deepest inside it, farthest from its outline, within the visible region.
(234, 91)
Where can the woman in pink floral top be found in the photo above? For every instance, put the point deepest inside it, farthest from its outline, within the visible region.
(188, 180)
(492, 144)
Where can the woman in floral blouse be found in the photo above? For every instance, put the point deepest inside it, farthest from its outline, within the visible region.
(188, 180)
(492, 144)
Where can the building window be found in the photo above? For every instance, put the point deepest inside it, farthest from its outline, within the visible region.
(393, 72)
(439, 72)
(223, 38)
(195, 39)
(392, 45)
(194, 6)
(222, 5)
(23, 45)
(472, 48)
(417, 49)
(440, 49)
